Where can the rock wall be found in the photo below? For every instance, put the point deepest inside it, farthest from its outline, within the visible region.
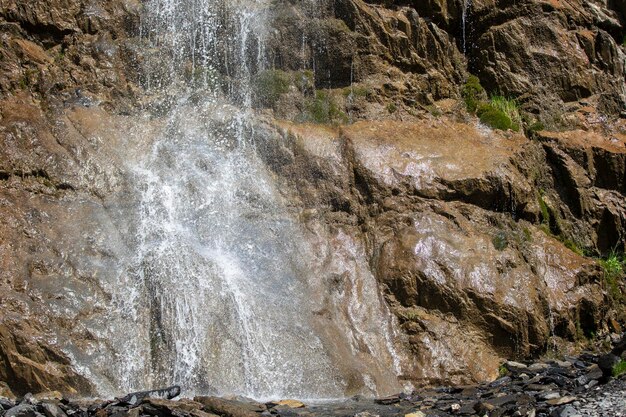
(469, 231)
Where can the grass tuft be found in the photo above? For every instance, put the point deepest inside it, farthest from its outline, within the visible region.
(473, 93)
(619, 368)
(323, 109)
(613, 267)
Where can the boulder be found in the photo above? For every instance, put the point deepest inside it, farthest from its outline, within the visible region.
(224, 408)
(23, 410)
(135, 398)
(50, 409)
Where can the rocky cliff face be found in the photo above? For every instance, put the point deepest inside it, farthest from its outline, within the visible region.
(476, 236)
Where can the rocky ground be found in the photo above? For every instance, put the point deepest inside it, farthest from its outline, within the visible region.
(573, 386)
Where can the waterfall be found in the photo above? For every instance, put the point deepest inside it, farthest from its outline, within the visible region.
(217, 292)
(467, 7)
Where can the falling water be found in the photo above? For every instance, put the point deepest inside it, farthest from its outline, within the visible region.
(219, 286)
(467, 6)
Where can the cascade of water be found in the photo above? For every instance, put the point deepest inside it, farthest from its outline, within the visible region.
(219, 283)
(467, 6)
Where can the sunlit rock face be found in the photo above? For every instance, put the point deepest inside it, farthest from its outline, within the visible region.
(160, 223)
(443, 208)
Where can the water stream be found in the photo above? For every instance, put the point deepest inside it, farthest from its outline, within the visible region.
(465, 24)
(223, 284)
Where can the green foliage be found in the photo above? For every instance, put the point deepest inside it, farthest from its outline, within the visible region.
(502, 371)
(392, 108)
(434, 110)
(509, 107)
(536, 127)
(493, 117)
(545, 213)
(613, 267)
(411, 315)
(23, 83)
(472, 93)
(305, 81)
(323, 109)
(571, 245)
(357, 91)
(500, 241)
(500, 113)
(619, 368)
(269, 85)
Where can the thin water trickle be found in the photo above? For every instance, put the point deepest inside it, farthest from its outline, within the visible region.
(467, 7)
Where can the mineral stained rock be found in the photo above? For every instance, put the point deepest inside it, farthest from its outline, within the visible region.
(473, 235)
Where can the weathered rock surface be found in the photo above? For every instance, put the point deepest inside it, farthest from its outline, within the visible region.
(451, 224)
(448, 216)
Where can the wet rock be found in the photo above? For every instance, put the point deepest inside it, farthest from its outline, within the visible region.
(538, 367)
(564, 364)
(392, 399)
(415, 414)
(594, 372)
(290, 403)
(224, 407)
(23, 410)
(5, 391)
(541, 387)
(606, 363)
(48, 395)
(29, 398)
(515, 366)
(432, 201)
(50, 409)
(561, 401)
(532, 70)
(567, 411)
(165, 393)
(550, 396)
(6, 403)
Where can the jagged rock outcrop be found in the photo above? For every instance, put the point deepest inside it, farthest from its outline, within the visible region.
(548, 53)
(450, 223)
(53, 56)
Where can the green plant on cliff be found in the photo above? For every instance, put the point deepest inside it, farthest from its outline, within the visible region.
(269, 85)
(500, 113)
(509, 107)
(357, 91)
(613, 268)
(619, 368)
(571, 245)
(493, 117)
(473, 93)
(323, 109)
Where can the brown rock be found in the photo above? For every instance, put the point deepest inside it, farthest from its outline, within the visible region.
(561, 401)
(224, 408)
(6, 392)
(548, 53)
(291, 403)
